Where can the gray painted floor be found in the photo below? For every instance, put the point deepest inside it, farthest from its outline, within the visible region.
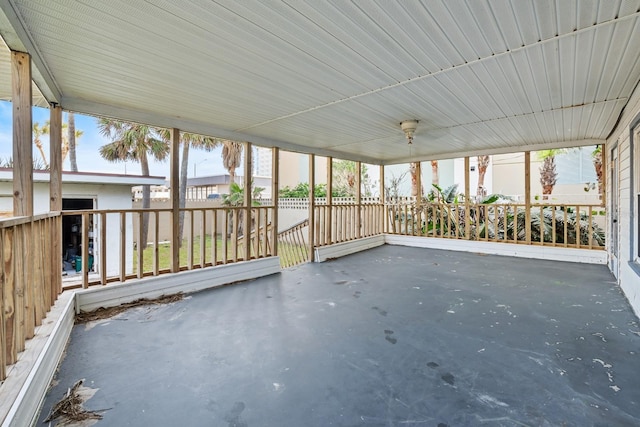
(389, 337)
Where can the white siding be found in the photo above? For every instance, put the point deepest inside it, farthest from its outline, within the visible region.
(106, 197)
(628, 277)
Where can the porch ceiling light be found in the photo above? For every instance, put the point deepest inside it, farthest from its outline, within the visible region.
(409, 127)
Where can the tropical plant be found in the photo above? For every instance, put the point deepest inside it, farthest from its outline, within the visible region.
(231, 157)
(38, 165)
(344, 179)
(235, 198)
(38, 132)
(392, 186)
(548, 172)
(596, 156)
(136, 142)
(301, 191)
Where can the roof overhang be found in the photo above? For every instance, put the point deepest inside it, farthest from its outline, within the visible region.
(90, 178)
(337, 78)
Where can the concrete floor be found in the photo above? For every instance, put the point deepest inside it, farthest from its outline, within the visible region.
(389, 337)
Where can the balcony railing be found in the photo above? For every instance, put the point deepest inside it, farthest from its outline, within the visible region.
(30, 280)
(574, 226)
(112, 248)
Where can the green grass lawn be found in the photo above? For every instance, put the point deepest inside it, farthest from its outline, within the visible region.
(164, 253)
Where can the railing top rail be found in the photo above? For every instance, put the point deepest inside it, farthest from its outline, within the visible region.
(18, 220)
(141, 210)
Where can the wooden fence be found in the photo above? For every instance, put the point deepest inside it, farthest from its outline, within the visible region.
(30, 279)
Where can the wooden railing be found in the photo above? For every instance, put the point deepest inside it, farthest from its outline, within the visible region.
(292, 244)
(112, 240)
(341, 223)
(576, 226)
(30, 280)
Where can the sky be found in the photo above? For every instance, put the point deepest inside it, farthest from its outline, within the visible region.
(87, 150)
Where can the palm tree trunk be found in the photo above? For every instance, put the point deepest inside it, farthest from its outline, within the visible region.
(483, 164)
(413, 170)
(435, 176)
(146, 202)
(72, 142)
(232, 175)
(597, 164)
(183, 186)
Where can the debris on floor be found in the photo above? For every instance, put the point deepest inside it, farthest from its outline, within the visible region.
(105, 313)
(69, 410)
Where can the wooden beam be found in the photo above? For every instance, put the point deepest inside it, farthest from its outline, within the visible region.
(174, 182)
(603, 196)
(328, 219)
(358, 212)
(248, 171)
(22, 139)
(312, 205)
(383, 218)
(55, 193)
(275, 189)
(527, 195)
(55, 159)
(467, 199)
(419, 183)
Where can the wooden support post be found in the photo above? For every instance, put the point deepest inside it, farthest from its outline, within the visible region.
(248, 171)
(358, 212)
(467, 196)
(85, 250)
(22, 138)
(174, 182)
(312, 205)
(417, 216)
(527, 196)
(328, 220)
(102, 255)
(55, 193)
(603, 196)
(383, 219)
(275, 189)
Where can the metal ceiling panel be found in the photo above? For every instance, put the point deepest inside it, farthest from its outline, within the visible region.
(338, 77)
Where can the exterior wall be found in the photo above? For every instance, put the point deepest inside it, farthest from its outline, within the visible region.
(628, 266)
(294, 169)
(105, 196)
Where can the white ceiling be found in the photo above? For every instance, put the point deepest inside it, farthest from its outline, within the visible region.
(337, 77)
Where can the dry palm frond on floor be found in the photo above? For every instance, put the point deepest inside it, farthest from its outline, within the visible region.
(70, 408)
(105, 313)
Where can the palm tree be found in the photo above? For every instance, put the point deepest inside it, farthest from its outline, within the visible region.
(188, 140)
(413, 170)
(38, 132)
(231, 157)
(435, 176)
(71, 135)
(483, 164)
(548, 172)
(596, 156)
(135, 142)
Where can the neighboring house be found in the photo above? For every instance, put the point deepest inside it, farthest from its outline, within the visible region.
(81, 191)
(204, 187)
